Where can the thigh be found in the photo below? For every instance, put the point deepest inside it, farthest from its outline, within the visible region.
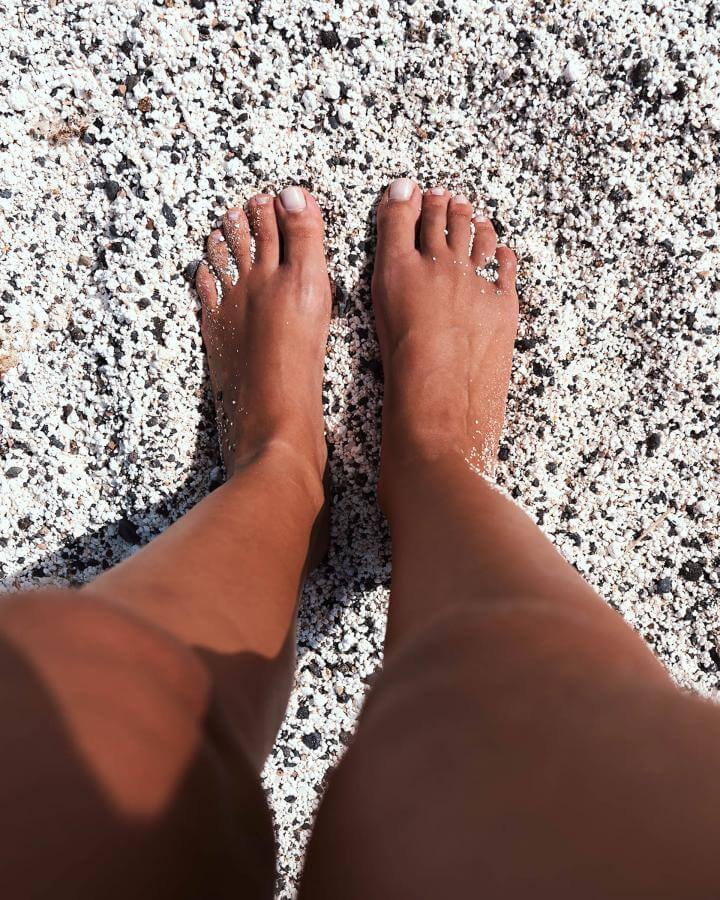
(96, 800)
(512, 750)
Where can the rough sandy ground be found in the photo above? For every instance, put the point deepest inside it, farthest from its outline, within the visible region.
(590, 131)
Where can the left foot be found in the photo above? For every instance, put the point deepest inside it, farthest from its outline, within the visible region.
(265, 333)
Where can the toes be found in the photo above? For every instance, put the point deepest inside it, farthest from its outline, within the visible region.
(301, 226)
(484, 242)
(237, 236)
(263, 222)
(397, 216)
(433, 221)
(218, 255)
(205, 286)
(507, 268)
(458, 224)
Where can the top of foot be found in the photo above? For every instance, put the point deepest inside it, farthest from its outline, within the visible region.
(446, 330)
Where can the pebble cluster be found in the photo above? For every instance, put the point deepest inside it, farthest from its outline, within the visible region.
(589, 132)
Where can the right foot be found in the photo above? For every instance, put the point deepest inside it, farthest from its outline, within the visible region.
(265, 334)
(446, 333)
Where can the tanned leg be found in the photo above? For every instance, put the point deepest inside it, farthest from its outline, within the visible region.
(521, 740)
(138, 711)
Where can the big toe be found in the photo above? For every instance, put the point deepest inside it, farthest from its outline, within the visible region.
(397, 217)
(301, 225)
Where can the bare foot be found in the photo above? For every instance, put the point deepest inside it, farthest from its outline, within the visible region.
(266, 334)
(446, 332)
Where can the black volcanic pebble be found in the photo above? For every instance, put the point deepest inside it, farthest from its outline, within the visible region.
(329, 39)
(112, 189)
(128, 532)
(190, 270)
(692, 570)
(311, 740)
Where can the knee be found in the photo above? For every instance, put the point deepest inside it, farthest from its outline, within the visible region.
(507, 643)
(132, 700)
(115, 721)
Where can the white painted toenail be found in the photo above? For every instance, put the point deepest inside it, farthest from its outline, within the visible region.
(437, 191)
(293, 199)
(460, 198)
(401, 189)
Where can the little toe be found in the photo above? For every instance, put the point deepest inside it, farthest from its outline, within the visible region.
(507, 268)
(263, 222)
(433, 221)
(205, 287)
(397, 216)
(237, 235)
(217, 252)
(484, 242)
(458, 224)
(301, 226)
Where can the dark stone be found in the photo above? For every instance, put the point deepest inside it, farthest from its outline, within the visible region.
(312, 740)
(692, 570)
(503, 453)
(524, 40)
(190, 270)
(24, 523)
(663, 586)
(329, 39)
(13, 472)
(640, 72)
(681, 90)
(237, 101)
(127, 530)
(169, 215)
(652, 442)
(112, 189)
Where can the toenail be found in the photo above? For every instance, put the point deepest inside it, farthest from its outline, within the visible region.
(261, 199)
(217, 237)
(437, 191)
(480, 220)
(234, 214)
(401, 189)
(460, 198)
(293, 199)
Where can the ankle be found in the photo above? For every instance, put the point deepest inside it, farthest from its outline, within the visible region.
(404, 472)
(300, 467)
